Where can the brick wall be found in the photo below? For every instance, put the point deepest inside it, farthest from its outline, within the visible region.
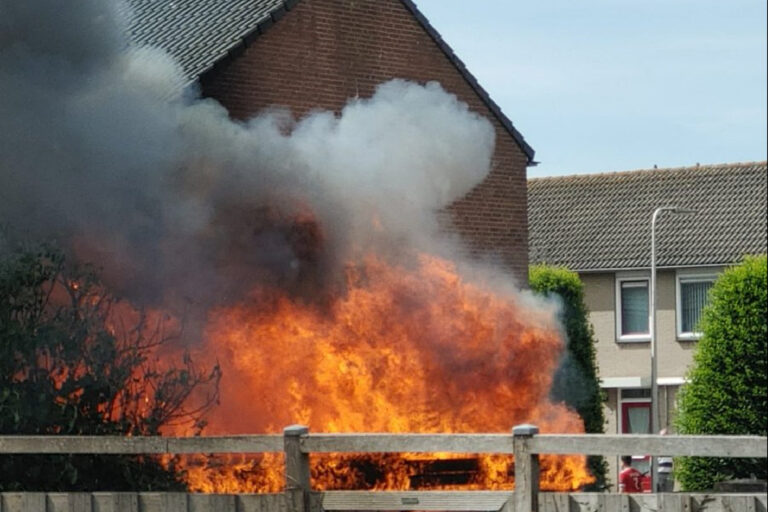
(324, 51)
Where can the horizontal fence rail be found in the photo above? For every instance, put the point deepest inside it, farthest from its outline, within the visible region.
(597, 444)
(588, 444)
(121, 445)
(297, 443)
(411, 443)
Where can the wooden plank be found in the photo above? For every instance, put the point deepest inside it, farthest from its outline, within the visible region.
(686, 502)
(163, 502)
(23, 501)
(414, 443)
(672, 502)
(250, 502)
(645, 502)
(705, 502)
(735, 503)
(526, 495)
(597, 444)
(138, 445)
(260, 503)
(415, 500)
(761, 502)
(316, 501)
(226, 444)
(600, 444)
(554, 502)
(115, 502)
(617, 502)
(68, 502)
(297, 485)
(587, 502)
(81, 444)
(211, 503)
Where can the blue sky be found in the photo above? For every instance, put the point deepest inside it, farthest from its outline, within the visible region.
(611, 85)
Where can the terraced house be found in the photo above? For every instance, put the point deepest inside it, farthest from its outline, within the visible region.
(599, 225)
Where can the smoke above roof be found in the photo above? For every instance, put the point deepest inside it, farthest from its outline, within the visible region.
(103, 151)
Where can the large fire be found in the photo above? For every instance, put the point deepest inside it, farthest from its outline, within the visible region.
(404, 348)
(179, 204)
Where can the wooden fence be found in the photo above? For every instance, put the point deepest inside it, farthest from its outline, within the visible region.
(297, 443)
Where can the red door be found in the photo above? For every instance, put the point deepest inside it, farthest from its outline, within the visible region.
(636, 419)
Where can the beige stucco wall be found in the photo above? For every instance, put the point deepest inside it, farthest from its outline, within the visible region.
(619, 359)
(632, 359)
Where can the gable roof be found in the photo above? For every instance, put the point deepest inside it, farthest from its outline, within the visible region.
(202, 34)
(603, 221)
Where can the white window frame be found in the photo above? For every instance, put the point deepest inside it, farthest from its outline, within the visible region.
(621, 278)
(681, 277)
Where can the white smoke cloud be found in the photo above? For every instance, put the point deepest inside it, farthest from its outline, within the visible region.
(406, 152)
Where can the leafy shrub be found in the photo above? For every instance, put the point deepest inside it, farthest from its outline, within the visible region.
(726, 390)
(576, 381)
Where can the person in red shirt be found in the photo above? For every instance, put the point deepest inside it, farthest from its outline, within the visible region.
(629, 477)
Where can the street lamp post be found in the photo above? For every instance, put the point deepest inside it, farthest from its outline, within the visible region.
(654, 350)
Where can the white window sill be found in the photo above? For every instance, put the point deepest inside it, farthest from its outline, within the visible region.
(689, 336)
(634, 338)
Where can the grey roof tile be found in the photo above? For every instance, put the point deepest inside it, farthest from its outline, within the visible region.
(198, 33)
(602, 221)
(201, 33)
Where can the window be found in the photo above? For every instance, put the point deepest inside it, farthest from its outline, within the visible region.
(635, 411)
(692, 292)
(632, 306)
(636, 417)
(633, 393)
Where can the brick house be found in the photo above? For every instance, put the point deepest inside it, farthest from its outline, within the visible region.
(316, 54)
(599, 226)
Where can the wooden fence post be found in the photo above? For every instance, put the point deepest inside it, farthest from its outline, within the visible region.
(296, 469)
(526, 495)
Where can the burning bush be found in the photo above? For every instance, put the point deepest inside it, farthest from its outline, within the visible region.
(75, 360)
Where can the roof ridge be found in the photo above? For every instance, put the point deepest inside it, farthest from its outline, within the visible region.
(699, 167)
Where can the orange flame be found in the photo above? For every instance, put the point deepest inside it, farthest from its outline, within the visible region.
(406, 348)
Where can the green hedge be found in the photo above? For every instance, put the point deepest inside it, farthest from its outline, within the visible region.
(726, 390)
(576, 382)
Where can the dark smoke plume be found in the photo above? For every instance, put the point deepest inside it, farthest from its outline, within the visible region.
(184, 208)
